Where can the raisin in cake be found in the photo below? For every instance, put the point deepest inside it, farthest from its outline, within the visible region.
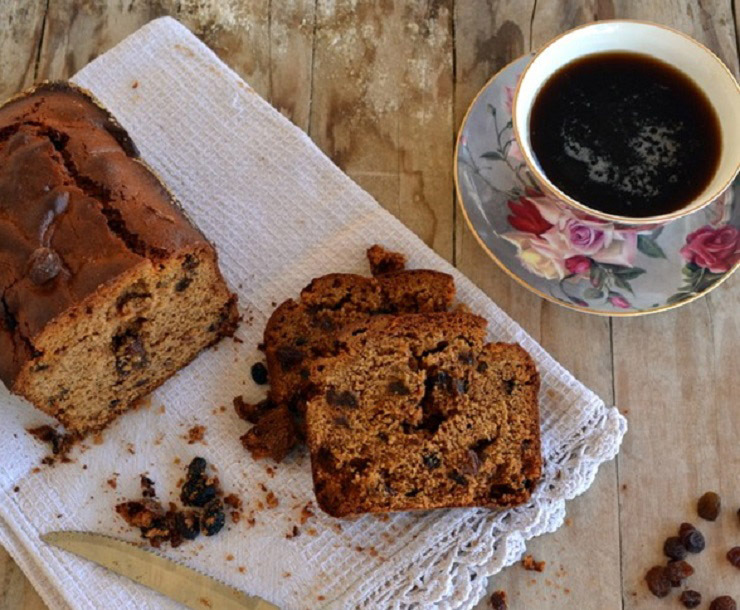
(417, 412)
(106, 288)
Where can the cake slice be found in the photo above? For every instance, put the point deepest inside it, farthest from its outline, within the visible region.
(106, 287)
(417, 412)
(301, 330)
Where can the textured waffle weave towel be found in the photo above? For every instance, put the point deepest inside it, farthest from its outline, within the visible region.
(280, 213)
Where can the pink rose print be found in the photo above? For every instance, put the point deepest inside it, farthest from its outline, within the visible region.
(619, 301)
(585, 237)
(717, 250)
(578, 264)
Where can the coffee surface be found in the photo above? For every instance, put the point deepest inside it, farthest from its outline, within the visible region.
(625, 134)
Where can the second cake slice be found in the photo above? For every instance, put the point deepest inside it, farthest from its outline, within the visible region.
(418, 412)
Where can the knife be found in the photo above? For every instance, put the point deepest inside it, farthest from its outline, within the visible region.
(176, 581)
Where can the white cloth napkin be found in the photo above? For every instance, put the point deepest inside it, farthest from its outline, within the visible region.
(280, 214)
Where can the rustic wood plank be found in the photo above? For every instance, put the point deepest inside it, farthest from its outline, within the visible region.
(675, 373)
(22, 25)
(382, 106)
(488, 36)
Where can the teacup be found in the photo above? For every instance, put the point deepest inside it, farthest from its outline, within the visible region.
(660, 42)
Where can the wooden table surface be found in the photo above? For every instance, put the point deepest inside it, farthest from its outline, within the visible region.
(382, 87)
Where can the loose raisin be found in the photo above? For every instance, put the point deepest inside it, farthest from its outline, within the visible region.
(658, 581)
(690, 598)
(724, 602)
(678, 571)
(259, 373)
(213, 518)
(691, 538)
(673, 548)
(498, 600)
(197, 493)
(196, 467)
(709, 506)
(733, 555)
(187, 525)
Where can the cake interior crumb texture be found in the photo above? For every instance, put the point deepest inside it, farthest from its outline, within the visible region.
(106, 287)
(418, 412)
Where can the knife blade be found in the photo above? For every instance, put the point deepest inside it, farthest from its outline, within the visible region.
(175, 580)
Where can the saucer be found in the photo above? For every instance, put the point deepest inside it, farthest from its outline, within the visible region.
(566, 257)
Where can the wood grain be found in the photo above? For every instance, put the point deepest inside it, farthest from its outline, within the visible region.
(382, 88)
(382, 106)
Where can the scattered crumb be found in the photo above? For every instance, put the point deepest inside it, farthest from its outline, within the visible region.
(271, 499)
(229, 557)
(568, 521)
(624, 486)
(112, 483)
(235, 516)
(251, 521)
(292, 534)
(321, 598)
(372, 552)
(84, 467)
(242, 569)
(237, 339)
(311, 531)
(60, 443)
(306, 513)
(131, 448)
(287, 575)
(159, 439)
(222, 408)
(97, 438)
(135, 84)
(359, 549)
(384, 518)
(233, 500)
(196, 434)
(177, 460)
(531, 564)
(36, 470)
(205, 602)
(16, 489)
(270, 471)
(161, 410)
(566, 591)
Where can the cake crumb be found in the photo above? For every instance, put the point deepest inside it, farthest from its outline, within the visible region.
(306, 513)
(235, 516)
(131, 448)
(16, 489)
(568, 521)
(233, 500)
(321, 598)
(177, 460)
(311, 531)
(271, 499)
(242, 569)
(287, 575)
(229, 557)
(97, 438)
(531, 564)
(292, 534)
(59, 443)
(196, 434)
(135, 84)
(206, 602)
(112, 483)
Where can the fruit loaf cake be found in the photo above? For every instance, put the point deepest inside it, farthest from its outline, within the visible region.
(299, 331)
(416, 411)
(106, 288)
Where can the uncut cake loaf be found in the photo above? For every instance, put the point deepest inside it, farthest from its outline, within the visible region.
(416, 411)
(301, 330)
(106, 288)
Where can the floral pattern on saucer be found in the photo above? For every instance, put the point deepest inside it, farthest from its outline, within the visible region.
(567, 256)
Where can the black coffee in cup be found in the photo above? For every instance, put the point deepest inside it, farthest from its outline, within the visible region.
(625, 134)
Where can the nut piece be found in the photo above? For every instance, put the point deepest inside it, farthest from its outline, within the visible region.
(709, 506)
